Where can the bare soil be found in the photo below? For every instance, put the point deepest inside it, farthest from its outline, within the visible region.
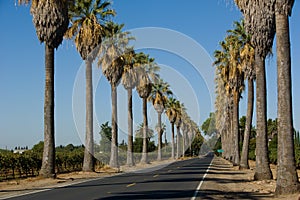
(223, 181)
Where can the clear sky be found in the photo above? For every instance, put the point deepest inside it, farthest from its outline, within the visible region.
(179, 30)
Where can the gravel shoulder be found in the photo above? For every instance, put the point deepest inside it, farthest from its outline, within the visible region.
(224, 181)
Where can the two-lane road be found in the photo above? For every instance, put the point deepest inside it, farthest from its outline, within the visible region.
(178, 180)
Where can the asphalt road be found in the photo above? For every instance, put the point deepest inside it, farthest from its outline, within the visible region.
(178, 180)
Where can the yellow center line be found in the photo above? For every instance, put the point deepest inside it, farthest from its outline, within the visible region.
(156, 175)
(170, 170)
(130, 185)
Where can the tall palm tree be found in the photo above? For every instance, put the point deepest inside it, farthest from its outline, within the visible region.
(87, 30)
(236, 83)
(50, 18)
(221, 114)
(144, 88)
(287, 179)
(259, 19)
(158, 96)
(186, 123)
(171, 114)
(228, 62)
(129, 81)
(112, 61)
(179, 107)
(247, 63)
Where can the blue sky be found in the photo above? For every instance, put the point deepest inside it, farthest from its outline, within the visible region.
(203, 22)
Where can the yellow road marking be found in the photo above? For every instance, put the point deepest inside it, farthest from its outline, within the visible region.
(108, 192)
(130, 185)
(170, 170)
(156, 175)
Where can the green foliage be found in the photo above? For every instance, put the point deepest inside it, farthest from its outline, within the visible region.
(197, 144)
(272, 127)
(252, 146)
(138, 141)
(209, 126)
(15, 165)
(69, 158)
(28, 163)
(273, 150)
(105, 133)
(138, 145)
(38, 148)
(218, 145)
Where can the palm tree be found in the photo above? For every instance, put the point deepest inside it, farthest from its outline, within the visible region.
(228, 62)
(144, 88)
(112, 61)
(171, 114)
(87, 30)
(236, 83)
(51, 20)
(247, 64)
(287, 179)
(185, 125)
(129, 81)
(260, 24)
(179, 107)
(223, 100)
(246, 57)
(158, 97)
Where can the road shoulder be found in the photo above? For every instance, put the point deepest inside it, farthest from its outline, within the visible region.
(224, 181)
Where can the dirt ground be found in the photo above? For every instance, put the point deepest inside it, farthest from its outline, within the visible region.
(223, 181)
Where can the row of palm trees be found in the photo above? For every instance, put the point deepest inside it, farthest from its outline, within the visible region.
(88, 23)
(242, 57)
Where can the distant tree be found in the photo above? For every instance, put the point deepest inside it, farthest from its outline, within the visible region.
(197, 143)
(105, 133)
(123, 145)
(69, 147)
(138, 142)
(38, 148)
(209, 126)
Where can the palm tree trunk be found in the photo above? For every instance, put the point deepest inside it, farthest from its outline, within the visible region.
(159, 137)
(88, 161)
(245, 151)
(262, 169)
(236, 153)
(287, 179)
(48, 164)
(173, 141)
(183, 143)
(114, 130)
(225, 144)
(190, 144)
(178, 154)
(166, 142)
(144, 159)
(130, 161)
(231, 138)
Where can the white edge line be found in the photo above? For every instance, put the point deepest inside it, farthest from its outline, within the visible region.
(201, 182)
(52, 188)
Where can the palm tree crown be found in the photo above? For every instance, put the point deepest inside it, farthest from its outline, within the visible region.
(87, 24)
(159, 95)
